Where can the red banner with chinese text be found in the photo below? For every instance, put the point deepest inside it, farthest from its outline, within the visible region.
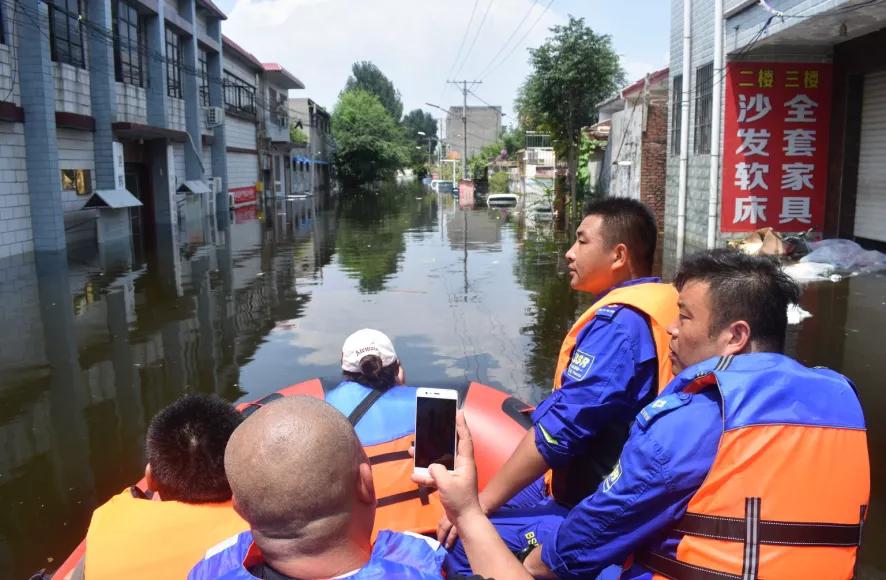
(775, 146)
(243, 195)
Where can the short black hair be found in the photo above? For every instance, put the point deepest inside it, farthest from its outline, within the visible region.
(629, 222)
(742, 287)
(186, 448)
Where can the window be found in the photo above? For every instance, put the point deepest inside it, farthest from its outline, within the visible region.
(704, 86)
(129, 30)
(2, 27)
(66, 32)
(173, 64)
(239, 95)
(677, 114)
(204, 78)
(79, 180)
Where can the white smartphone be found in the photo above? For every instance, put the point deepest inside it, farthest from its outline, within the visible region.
(435, 436)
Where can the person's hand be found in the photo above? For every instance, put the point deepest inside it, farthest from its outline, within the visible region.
(458, 489)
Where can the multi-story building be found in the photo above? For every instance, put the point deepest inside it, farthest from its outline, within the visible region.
(634, 161)
(119, 120)
(311, 161)
(242, 73)
(796, 138)
(484, 127)
(101, 120)
(274, 143)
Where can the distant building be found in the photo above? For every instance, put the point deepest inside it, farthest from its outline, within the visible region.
(311, 162)
(634, 163)
(484, 128)
(274, 145)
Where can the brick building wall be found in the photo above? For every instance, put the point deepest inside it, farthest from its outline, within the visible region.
(653, 171)
(71, 89)
(15, 208)
(132, 106)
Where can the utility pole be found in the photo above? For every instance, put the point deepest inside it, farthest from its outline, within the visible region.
(464, 118)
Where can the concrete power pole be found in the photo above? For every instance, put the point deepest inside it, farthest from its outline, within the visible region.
(464, 119)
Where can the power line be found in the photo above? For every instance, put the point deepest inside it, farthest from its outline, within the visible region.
(461, 45)
(510, 36)
(476, 36)
(489, 67)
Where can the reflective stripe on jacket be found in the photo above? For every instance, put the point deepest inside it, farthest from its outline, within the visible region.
(394, 555)
(788, 490)
(656, 300)
(132, 537)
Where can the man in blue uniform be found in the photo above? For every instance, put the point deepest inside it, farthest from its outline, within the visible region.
(608, 369)
(730, 304)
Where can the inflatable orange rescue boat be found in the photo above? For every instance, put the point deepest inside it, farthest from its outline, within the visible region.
(498, 423)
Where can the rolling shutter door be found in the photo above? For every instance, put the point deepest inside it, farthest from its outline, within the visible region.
(870, 204)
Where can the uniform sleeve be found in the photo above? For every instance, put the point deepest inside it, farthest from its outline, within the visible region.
(604, 381)
(646, 495)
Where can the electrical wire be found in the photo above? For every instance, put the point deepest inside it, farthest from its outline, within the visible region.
(510, 37)
(106, 37)
(488, 69)
(476, 36)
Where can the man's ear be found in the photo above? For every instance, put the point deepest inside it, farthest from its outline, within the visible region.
(365, 485)
(149, 479)
(739, 338)
(620, 256)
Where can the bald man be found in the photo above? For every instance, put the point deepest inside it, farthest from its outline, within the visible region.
(301, 480)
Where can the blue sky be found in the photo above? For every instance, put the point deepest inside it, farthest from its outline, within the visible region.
(415, 42)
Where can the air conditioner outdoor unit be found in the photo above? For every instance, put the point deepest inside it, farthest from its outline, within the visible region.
(215, 116)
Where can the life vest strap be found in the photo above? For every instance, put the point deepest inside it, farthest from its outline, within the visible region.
(771, 532)
(677, 570)
(420, 493)
(391, 456)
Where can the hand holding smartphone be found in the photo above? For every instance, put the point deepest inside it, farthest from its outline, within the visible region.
(435, 436)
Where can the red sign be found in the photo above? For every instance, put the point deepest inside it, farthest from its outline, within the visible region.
(245, 214)
(775, 146)
(243, 195)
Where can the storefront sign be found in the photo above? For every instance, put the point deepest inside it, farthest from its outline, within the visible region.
(243, 195)
(775, 146)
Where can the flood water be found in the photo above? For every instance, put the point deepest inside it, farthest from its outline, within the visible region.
(93, 346)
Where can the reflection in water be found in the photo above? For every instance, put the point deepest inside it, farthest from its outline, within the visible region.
(92, 346)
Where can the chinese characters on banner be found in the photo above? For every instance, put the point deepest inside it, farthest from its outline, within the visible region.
(775, 146)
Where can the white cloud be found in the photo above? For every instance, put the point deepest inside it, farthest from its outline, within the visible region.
(414, 42)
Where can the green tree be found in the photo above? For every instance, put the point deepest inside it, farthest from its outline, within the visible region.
(370, 144)
(571, 72)
(413, 122)
(368, 77)
(297, 136)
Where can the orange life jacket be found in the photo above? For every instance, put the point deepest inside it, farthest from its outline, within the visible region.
(656, 300)
(571, 483)
(131, 537)
(789, 487)
(402, 505)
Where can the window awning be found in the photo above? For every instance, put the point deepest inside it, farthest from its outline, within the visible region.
(193, 186)
(112, 198)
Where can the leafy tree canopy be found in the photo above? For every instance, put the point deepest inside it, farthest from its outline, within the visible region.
(370, 144)
(297, 136)
(418, 120)
(368, 77)
(571, 72)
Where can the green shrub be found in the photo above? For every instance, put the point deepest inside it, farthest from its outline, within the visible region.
(498, 182)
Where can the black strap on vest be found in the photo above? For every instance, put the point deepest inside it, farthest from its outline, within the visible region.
(367, 403)
(752, 531)
(386, 457)
(771, 532)
(677, 570)
(420, 493)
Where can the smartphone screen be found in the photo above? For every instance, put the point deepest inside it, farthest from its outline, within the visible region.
(435, 432)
